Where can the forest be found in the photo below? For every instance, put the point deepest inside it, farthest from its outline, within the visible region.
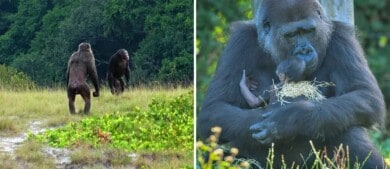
(148, 124)
(37, 37)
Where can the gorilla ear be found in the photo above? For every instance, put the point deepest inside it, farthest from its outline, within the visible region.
(266, 26)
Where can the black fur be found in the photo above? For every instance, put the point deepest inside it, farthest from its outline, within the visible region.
(352, 105)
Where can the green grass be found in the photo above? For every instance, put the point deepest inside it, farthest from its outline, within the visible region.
(19, 109)
(50, 106)
(7, 161)
(165, 124)
(31, 156)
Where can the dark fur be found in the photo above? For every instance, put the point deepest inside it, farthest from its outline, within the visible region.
(81, 64)
(291, 69)
(118, 66)
(352, 105)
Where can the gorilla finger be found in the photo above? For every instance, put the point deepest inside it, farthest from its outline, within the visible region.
(254, 82)
(266, 114)
(257, 126)
(261, 136)
(252, 86)
(266, 141)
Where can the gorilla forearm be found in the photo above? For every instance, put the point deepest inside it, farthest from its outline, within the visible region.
(224, 105)
(357, 108)
(94, 77)
(234, 121)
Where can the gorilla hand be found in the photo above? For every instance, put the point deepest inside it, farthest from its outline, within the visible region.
(284, 123)
(96, 94)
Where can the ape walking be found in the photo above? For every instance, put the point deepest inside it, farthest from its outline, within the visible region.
(118, 66)
(81, 64)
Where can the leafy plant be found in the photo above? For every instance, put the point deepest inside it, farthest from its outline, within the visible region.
(12, 79)
(166, 124)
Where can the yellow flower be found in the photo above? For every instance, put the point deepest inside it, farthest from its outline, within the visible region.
(216, 130)
(234, 151)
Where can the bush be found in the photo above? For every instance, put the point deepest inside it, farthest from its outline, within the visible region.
(12, 79)
(167, 124)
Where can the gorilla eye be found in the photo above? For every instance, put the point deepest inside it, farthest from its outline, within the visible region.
(319, 14)
(266, 26)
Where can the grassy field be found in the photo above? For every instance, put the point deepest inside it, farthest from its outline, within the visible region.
(48, 108)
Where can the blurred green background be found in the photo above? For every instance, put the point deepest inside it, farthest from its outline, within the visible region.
(371, 19)
(37, 37)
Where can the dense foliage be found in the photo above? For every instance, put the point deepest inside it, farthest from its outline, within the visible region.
(166, 124)
(37, 37)
(11, 79)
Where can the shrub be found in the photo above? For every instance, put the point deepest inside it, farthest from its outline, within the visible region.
(166, 124)
(12, 79)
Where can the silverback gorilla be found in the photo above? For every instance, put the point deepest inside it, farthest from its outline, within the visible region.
(117, 67)
(331, 52)
(81, 64)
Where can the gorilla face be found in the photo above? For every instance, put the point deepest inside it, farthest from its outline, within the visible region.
(296, 31)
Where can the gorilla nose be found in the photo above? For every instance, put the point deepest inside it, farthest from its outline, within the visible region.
(304, 52)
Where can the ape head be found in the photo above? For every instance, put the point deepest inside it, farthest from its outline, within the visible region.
(291, 69)
(85, 47)
(299, 29)
(124, 55)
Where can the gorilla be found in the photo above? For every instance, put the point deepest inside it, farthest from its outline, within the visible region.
(331, 52)
(289, 70)
(118, 66)
(81, 64)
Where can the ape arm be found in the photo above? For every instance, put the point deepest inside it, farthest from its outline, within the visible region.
(223, 104)
(91, 69)
(67, 69)
(356, 101)
(127, 74)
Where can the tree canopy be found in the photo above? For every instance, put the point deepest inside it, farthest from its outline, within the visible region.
(38, 37)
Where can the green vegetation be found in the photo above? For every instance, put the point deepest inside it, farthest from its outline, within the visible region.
(10, 78)
(167, 124)
(158, 34)
(106, 137)
(35, 158)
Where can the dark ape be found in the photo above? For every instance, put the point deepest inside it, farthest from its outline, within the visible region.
(81, 64)
(291, 69)
(288, 70)
(118, 66)
(281, 30)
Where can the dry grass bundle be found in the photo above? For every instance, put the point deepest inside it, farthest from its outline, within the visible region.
(308, 89)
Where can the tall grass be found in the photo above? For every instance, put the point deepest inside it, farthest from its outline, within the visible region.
(19, 108)
(50, 106)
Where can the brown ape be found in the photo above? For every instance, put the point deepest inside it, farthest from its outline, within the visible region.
(117, 67)
(81, 64)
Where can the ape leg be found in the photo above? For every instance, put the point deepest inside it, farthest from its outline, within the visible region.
(122, 85)
(86, 95)
(111, 83)
(71, 99)
(360, 147)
